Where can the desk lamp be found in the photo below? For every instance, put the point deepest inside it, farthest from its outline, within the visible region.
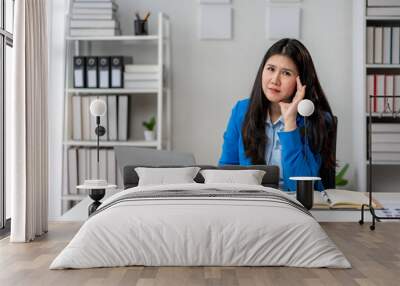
(304, 188)
(98, 108)
(97, 187)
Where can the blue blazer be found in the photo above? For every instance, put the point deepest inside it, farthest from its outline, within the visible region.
(292, 143)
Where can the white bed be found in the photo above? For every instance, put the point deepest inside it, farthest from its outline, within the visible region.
(206, 230)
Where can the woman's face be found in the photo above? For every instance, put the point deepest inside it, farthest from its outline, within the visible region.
(279, 78)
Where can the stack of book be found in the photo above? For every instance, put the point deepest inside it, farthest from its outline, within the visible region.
(386, 85)
(82, 165)
(141, 77)
(115, 120)
(383, 44)
(94, 18)
(383, 8)
(385, 145)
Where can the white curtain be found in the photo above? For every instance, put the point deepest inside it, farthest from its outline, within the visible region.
(28, 122)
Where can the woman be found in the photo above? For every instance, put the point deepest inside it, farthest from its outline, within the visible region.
(265, 129)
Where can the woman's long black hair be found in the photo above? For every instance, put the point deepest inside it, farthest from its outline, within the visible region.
(320, 129)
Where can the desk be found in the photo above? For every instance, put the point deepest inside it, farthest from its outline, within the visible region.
(79, 211)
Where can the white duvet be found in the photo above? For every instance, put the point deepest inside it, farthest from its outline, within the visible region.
(200, 231)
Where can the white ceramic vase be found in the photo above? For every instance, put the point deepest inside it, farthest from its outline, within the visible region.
(149, 135)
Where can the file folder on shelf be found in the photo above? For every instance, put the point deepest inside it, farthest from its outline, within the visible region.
(92, 72)
(116, 72)
(79, 72)
(104, 72)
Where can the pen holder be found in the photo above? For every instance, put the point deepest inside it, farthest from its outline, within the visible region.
(140, 27)
(305, 190)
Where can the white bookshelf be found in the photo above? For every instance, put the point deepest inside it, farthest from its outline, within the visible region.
(135, 143)
(382, 66)
(377, 114)
(361, 68)
(383, 163)
(111, 91)
(160, 42)
(382, 18)
(115, 38)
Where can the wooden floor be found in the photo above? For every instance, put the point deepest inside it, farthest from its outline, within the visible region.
(374, 255)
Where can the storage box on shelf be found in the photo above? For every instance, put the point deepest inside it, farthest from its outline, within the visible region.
(137, 81)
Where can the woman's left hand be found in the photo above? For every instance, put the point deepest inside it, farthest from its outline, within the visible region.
(289, 109)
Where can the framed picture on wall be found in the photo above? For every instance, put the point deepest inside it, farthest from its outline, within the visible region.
(215, 22)
(282, 22)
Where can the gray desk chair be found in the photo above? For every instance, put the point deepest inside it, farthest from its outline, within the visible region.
(129, 156)
(328, 175)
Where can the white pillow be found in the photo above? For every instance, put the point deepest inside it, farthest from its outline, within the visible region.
(162, 176)
(248, 177)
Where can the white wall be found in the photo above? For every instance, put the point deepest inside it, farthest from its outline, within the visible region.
(210, 76)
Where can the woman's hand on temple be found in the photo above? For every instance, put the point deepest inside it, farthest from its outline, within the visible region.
(289, 109)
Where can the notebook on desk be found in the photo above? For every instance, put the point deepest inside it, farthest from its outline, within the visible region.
(343, 199)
